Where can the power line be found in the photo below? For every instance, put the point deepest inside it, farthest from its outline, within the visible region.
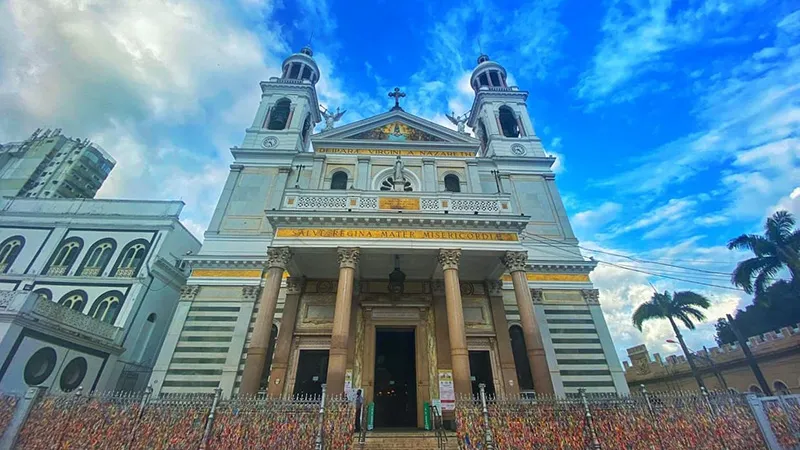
(659, 275)
(727, 274)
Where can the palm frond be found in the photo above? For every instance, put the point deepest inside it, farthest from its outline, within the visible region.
(685, 319)
(766, 275)
(694, 312)
(647, 311)
(689, 298)
(759, 245)
(746, 270)
(779, 226)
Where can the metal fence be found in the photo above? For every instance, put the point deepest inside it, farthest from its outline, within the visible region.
(714, 421)
(175, 422)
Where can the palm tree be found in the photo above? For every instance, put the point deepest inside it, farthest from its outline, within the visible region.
(778, 248)
(684, 306)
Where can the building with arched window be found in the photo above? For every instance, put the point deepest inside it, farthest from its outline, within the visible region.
(91, 286)
(391, 250)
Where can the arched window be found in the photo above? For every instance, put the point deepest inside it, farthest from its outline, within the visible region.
(781, 388)
(65, 256)
(106, 308)
(520, 353)
(339, 180)
(131, 259)
(755, 389)
(388, 185)
(508, 122)
(279, 116)
(97, 258)
(44, 293)
(9, 250)
(74, 300)
(452, 183)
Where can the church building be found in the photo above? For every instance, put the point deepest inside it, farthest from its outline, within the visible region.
(392, 255)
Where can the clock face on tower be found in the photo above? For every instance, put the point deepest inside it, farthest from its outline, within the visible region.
(518, 149)
(269, 142)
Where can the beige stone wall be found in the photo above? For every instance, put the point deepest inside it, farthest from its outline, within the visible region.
(777, 354)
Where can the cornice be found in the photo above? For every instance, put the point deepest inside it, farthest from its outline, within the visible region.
(389, 220)
(581, 267)
(227, 262)
(387, 117)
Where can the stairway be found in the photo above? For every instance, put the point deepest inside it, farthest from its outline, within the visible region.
(405, 440)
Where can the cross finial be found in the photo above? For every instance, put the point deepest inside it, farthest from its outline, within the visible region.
(397, 94)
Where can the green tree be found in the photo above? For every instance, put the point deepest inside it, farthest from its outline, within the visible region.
(777, 307)
(684, 306)
(778, 248)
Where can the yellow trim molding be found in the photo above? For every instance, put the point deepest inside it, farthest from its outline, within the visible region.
(398, 203)
(365, 233)
(383, 152)
(578, 277)
(227, 273)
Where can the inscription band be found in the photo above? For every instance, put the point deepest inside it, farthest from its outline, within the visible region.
(358, 233)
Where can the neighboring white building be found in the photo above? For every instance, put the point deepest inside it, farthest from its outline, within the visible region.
(494, 287)
(51, 165)
(87, 290)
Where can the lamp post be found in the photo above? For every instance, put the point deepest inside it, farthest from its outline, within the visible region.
(707, 358)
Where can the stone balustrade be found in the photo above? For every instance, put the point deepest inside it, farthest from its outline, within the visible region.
(423, 202)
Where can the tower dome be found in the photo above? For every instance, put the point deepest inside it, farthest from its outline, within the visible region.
(301, 66)
(487, 74)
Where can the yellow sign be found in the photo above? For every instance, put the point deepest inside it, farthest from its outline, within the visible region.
(363, 233)
(231, 273)
(385, 152)
(554, 277)
(398, 203)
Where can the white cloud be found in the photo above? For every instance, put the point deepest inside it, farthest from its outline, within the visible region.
(594, 219)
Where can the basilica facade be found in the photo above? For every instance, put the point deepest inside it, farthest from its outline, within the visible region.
(392, 255)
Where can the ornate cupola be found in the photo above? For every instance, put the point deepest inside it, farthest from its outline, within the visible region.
(301, 66)
(499, 114)
(488, 74)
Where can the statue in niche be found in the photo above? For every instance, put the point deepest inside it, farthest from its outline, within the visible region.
(331, 118)
(398, 171)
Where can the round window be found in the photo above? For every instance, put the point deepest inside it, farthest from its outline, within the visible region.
(40, 366)
(73, 374)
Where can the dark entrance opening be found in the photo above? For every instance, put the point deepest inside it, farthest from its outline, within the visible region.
(480, 367)
(395, 392)
(312, 371)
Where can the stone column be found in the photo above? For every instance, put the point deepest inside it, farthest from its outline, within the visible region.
(337, 359)
(516, 262)
(277, 259)
(459, 356)
(283, 345)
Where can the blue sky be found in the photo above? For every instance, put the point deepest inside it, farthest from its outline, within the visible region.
(675, 122)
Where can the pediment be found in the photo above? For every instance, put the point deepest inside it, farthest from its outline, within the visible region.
(396, 126)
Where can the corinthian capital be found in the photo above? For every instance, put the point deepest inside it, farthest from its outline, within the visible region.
(591, 296)
(449, 258)
(515, 261)
(278, 257)
(348, 257)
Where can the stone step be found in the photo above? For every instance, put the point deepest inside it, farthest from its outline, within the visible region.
(405, 440)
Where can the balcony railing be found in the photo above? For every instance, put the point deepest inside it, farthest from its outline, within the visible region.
(124, 272)
(425, 202)
(90, 271)
(57, 270)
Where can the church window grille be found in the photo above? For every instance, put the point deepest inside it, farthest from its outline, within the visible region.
(483, 80)
(339, 180)
(452, 183)
(279, 116)
(74, 300)
(131, 259)
(508, 122)
(306, 73)
(9, 250)
(107, 307)
(65, 256)
(98, 257)
(388, 185)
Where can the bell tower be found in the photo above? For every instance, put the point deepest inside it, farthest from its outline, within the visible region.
(289, 107)
(499, 114)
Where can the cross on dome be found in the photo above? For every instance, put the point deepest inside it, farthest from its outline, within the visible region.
(397, 94)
